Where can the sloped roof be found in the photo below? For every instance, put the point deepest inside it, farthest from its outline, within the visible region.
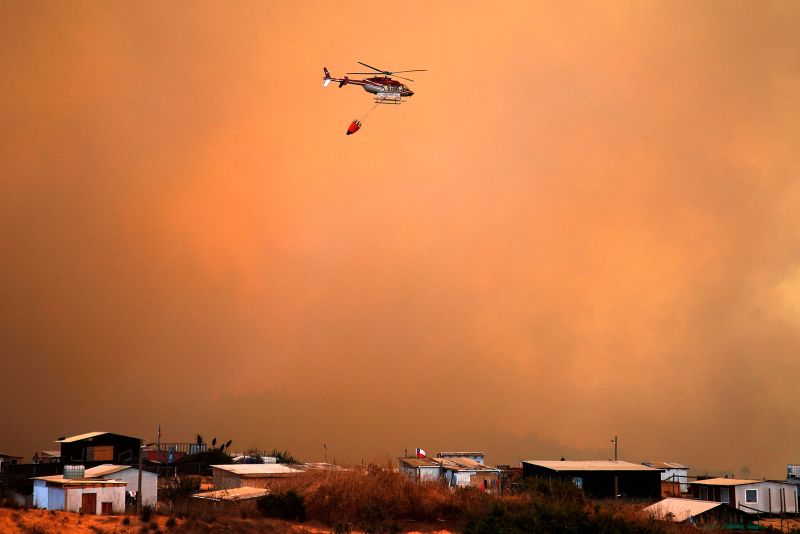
(105, 469)
(724, 482)
(419, 462)
(59, 479)
(589, 465)
(80, 437)
(462, 464)
(88, 435)
(665, 465)
(679, 510)
(254, 470)
(233, 494)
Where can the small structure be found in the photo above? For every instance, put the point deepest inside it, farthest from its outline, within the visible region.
(88, 496)
(232, 495)
(674, 478)
(600, 479)
(456, 472)
(463, 472)
(47, 457)
(420, 469)
(751, 496)
(696, 512)
(254, 475)
(476, 456)
(129, 475)
(95, 448)
(8, 459)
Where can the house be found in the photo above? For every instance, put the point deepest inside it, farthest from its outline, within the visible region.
(8, 459)
(674, 477)
(751, 496)
(600, 479)
(695, 512)
(47, 457)
(254, 475)
(476, 456)
(95, 448)
(420, 469)
(73, 493)
(463, 472)
(456, 472)
(129, 475)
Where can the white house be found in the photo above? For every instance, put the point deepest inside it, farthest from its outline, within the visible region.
(129, 475)
(672, 473)
(89, 496)
(254, 475)
(751, 496)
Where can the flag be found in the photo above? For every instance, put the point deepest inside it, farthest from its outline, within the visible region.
(421, 453)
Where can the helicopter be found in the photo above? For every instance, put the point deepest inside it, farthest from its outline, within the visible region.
(385, 89)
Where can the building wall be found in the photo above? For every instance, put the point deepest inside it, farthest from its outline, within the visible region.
(131, 478)
(421, 474)
(600, 484)
(124, 450)
(55, 498)
(227, 480)
(679, 476)
(39, 494)
(113, 494)
(769, 497)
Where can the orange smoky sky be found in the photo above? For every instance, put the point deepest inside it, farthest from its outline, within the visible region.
(585, 223)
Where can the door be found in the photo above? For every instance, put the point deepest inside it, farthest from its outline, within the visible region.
(105, 508)
(89, 503)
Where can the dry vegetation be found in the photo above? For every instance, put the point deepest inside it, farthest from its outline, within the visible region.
(371, 501)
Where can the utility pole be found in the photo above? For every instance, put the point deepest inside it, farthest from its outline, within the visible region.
(616, 478)
(614, 441)
(139, 489)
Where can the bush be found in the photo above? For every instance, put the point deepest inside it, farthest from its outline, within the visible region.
(145, 514)
(288, 505)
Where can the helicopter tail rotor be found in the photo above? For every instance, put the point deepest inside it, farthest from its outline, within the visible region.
(327, 78)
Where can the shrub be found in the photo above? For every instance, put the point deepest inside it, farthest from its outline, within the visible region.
(145, 514)
(288, 505)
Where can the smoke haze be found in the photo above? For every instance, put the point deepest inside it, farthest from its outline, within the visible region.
(584, 223)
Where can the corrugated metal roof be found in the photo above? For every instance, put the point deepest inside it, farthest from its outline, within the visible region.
(105, 469)
(59, 479)
(80, 437)
(461, 453)
(419, 462)
(233, 494)
(589, 465)
(258, 469)
(679, 510)
(725, 482)
(462, 464)
(665, 465)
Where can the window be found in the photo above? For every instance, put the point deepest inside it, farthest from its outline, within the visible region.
(703, 493)
(724, 495)
(751, 495)
(578, 481)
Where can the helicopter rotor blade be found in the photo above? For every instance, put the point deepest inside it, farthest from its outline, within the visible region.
(373, 68)
(370, 73)
(414, 70)
(404, 78)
